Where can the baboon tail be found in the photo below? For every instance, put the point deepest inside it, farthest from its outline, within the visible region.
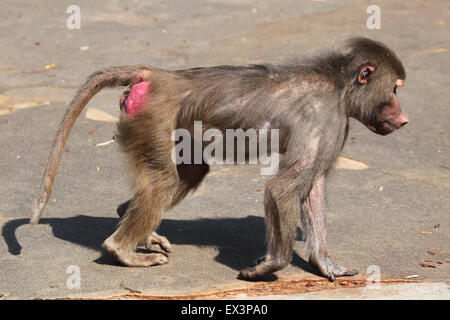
(110, 77)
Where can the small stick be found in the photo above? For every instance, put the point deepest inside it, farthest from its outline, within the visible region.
(123, 286)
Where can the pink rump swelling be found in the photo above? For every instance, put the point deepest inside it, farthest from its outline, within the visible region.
(138, 97)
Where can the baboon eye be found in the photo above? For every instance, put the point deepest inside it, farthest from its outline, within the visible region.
(364, 74)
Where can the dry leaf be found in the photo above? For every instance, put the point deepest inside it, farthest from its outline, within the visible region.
(8, 106)
(438, 50)
(50, 66)
(432, 252)
(426, 232)
(30, 104)
(99, 115)
(412, 276)
(350, 164)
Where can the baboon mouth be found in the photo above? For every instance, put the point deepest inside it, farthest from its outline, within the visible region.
(389, 124)
(391, 117)
(383, 128)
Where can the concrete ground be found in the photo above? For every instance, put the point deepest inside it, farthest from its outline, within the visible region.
(394, 214)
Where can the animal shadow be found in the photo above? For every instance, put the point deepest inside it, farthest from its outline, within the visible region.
(240, 241)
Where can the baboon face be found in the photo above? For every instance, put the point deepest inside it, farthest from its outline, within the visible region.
(387, 116)
(377, 103)
(375, 73)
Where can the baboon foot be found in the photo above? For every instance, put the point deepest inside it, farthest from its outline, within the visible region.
(162, 241)
(329, 269)
(265, 265)
(133, 259)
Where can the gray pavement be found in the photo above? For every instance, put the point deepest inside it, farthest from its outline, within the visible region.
(391, 215)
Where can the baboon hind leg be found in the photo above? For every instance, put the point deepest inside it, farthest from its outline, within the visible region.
(153, 238)
(155, 185)
(190, 177)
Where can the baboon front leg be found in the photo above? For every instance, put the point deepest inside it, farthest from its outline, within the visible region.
(281, 207)
(314, 220)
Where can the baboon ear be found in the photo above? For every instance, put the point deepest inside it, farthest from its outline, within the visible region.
(364, 74)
